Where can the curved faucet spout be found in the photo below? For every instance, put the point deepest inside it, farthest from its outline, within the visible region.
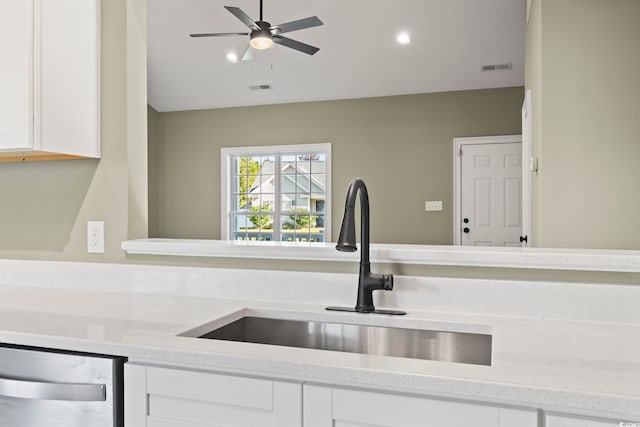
(367, 282)
(347, 238)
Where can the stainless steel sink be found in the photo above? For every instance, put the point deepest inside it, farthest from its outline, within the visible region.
(460, 347)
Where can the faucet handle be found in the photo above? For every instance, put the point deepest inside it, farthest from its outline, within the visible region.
(387, 282)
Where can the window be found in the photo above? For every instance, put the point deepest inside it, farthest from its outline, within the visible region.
(277, 193)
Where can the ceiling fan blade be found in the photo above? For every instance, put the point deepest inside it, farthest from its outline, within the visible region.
(218, 34)
(294, 44)
(238, 13)
(300, 24)
(248, 54)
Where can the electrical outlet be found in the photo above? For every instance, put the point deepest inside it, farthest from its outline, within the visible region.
(95, 237)
(433, 205)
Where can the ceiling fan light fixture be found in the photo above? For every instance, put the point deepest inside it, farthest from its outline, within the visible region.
(261, 39)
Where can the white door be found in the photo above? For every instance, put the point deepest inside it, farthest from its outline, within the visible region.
(166, 397)
(335, 407)
(491, 194)
(16, 96)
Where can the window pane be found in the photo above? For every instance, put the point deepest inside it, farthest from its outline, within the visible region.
(303, 163)
(318, 163)
(287, 227)
(253, 224)
(239, 202)
(253, 202)
(318, 183)
(303, 183)
(317, 203)
(243, 186)
(287, 184)
(264, 203)
(265, 227)
(288, 201)
(317, 232)
(268, 163)
(302, 222)
(288, 164)
(250, 184)
(240, 226)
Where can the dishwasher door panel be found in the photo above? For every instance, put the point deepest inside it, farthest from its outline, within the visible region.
(44, 388)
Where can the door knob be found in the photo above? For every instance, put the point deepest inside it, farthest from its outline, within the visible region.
(466, 220)
(523, 239)
(466, 229)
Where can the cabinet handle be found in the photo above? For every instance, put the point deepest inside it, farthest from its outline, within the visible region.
(37, 390)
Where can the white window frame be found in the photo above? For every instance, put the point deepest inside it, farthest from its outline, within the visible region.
(226, 156)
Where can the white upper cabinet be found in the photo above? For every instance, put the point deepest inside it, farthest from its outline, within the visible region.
(16, 75)
(50, 79)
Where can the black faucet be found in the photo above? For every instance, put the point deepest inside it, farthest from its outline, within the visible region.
(368, 281)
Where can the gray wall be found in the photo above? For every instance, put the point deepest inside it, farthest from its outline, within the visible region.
(583, 59)
(45, 206)
(401, 146)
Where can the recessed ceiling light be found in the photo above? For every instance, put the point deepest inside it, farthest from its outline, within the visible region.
(403, 38)
(232, 57)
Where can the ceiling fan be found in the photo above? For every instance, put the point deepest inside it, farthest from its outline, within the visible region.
(263, 35)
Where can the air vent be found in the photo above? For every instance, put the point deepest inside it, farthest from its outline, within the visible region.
(260, 87)
(498, 67)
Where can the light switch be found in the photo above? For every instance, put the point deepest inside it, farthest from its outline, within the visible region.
(433, 205)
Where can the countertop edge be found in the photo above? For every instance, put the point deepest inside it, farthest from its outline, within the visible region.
(553, 400)
(530, 258)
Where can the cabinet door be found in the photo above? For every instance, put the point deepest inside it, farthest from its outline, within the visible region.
(16, 96)
(68, 84)
(554, 420)
(159, 397)
(334, 407)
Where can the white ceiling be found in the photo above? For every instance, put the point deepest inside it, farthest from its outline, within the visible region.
(359, 56)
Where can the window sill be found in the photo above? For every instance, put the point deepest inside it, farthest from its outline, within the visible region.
(470, 256)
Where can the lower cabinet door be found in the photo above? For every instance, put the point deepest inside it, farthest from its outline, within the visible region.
(335, 407)
(160, 397)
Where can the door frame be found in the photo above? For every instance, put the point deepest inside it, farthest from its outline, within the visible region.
(527, 170)
(457, 169)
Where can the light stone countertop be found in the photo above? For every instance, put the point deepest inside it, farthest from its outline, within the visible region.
(557, 365)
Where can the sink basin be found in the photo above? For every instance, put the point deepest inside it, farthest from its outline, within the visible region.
(460, 347)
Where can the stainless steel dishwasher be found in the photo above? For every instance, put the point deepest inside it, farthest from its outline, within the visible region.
(41, 388)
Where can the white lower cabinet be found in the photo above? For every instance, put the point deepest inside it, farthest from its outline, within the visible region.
(163, 397)
(557, 420)
(167, 397)
(159, 397)
(336, 407)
